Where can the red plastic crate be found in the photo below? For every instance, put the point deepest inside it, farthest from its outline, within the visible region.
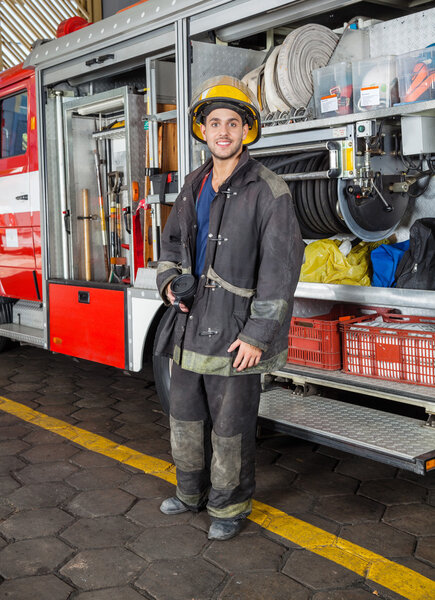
(403, 355)
(315, 341)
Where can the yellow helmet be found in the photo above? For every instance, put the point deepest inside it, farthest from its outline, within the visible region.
(225, 92)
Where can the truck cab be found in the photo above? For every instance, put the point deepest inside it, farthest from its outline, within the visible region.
(20, 233)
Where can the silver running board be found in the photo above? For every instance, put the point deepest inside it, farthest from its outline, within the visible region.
(396, 440)
(23, 333)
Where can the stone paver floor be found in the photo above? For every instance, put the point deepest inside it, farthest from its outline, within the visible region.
(76, 525)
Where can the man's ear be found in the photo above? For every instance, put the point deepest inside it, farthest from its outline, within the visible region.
(245, 131)
(202, 128)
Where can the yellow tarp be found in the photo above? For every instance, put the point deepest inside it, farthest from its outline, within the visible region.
(325, 263)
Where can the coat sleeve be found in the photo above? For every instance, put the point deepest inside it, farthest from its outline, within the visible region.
(280, 257)
(169, 265)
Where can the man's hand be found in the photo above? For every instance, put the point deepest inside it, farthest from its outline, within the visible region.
(170, 296)
(247, 356)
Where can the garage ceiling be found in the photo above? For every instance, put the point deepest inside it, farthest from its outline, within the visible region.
(22, 22)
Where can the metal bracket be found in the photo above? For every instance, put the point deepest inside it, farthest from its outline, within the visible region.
(98, 60)
(305, 390)
(67, 219)
(163, 117)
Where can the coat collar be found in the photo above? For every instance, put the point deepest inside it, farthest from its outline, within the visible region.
(243, 173)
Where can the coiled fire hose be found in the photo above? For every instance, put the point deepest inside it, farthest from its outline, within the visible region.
(304, 49)
(315, 201)
(285, 80)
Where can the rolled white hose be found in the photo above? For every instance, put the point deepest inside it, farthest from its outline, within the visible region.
(253, 81)
(264, 107)
(304, 49)
(273, 97)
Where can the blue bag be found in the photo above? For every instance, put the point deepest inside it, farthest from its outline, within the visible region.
(385, 259)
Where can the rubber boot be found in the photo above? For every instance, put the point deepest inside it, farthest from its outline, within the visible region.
(173, 506)
(224, 529)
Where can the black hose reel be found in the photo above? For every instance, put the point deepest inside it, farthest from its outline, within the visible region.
(315, 200)
(326, 205)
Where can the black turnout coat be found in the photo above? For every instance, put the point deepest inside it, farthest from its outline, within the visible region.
(252, 263)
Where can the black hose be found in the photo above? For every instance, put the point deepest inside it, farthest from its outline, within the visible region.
(422, 190)
(322, 203)
(307, 196)
(315, 200)
(280, 161)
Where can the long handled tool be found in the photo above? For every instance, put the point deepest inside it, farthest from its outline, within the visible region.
(86, 217)
(102, 211)
(148, 224)
(117, 262)
(86, 234)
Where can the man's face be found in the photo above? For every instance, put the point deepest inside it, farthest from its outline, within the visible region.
(224, 133)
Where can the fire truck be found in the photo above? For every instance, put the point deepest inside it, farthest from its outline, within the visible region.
(95, 147)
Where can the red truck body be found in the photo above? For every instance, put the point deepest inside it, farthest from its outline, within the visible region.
(20, 233)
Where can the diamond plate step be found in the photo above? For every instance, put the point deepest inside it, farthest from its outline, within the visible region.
(28, 313)
(23, 333)
(400, 441)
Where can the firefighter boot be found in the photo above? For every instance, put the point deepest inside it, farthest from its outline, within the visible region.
(224, 529)
(173, 506)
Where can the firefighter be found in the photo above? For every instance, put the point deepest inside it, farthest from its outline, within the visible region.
(234, 227)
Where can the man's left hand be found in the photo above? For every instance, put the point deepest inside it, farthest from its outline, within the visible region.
(247, 356)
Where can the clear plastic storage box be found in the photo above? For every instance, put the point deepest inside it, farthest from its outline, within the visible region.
(333, 90)
(416, 75)
(374, 83)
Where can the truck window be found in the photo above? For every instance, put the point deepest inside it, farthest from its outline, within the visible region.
(14, 125)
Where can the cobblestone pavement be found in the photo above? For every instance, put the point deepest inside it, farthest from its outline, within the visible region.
(75, 524)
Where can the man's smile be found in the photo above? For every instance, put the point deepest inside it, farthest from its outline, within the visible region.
(222, 142)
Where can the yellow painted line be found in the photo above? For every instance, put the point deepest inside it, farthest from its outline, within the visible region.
(92, 441)
(395, 577)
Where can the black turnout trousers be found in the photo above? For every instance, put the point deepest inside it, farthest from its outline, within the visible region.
(213, 426)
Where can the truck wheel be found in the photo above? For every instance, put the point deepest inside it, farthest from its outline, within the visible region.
(6, 305)
(4, 343)
(162, 366)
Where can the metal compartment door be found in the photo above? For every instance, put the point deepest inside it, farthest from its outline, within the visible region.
(89, 323)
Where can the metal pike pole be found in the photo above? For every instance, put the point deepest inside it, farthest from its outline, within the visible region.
(117, 262)
(86, 234)
(102, 211)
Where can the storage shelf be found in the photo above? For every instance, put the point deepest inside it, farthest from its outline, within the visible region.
(421, 299)
(112, 134)
(426, 108)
